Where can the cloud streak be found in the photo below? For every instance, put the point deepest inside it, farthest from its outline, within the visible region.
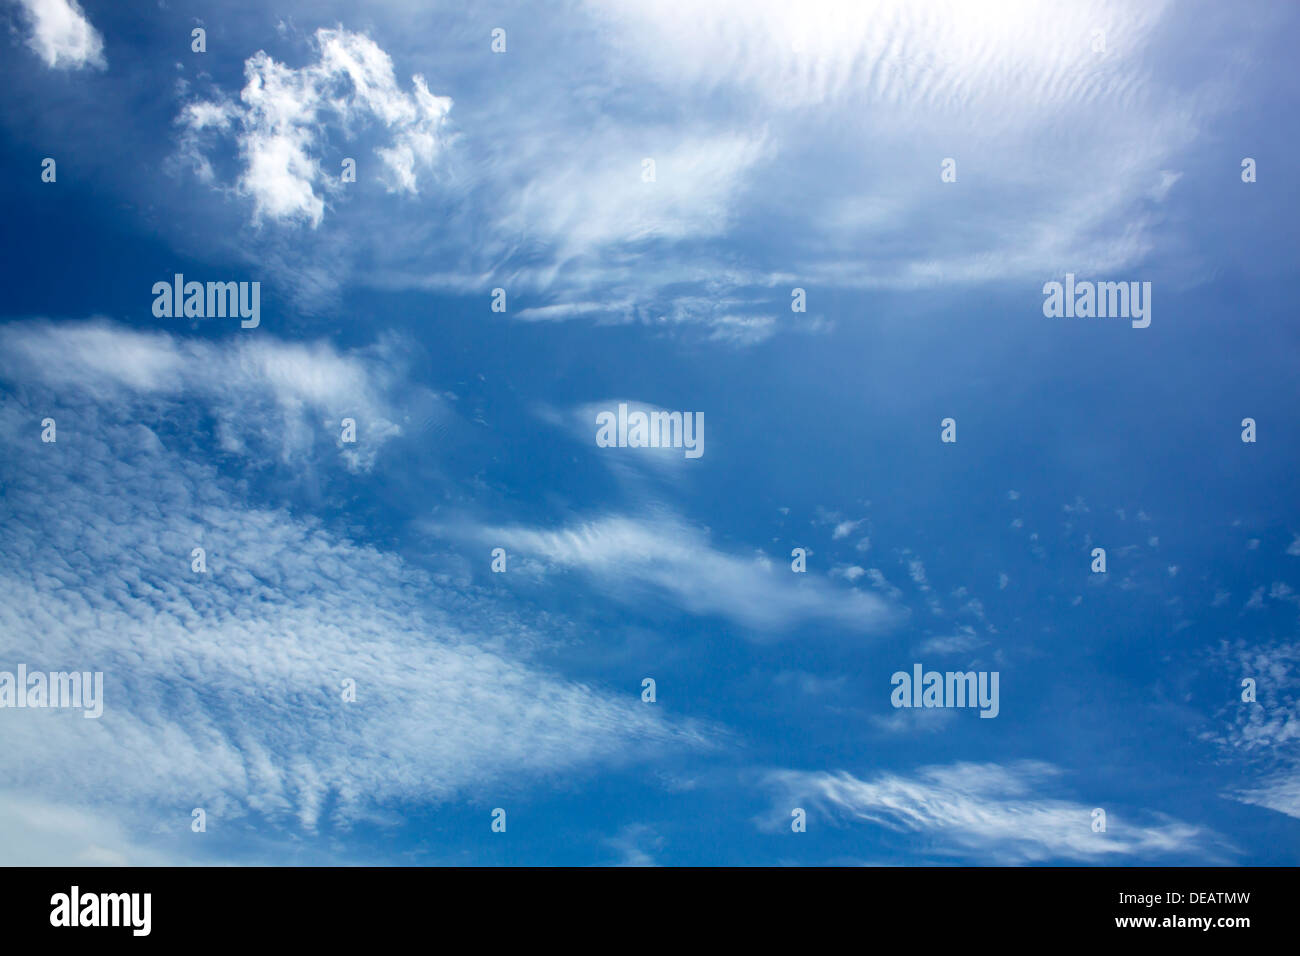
(990, 811)
(668, 557)
(269, 397)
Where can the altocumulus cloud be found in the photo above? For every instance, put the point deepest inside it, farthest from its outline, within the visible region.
(1263, 737)
(222, 689)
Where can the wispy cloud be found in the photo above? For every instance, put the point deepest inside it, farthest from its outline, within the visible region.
(990, 811)
(631, 844)
(269, 397)
(962, 642)
(1280, 792)
(557, 194)
(223, 689)
(943, 80)
(630, 556)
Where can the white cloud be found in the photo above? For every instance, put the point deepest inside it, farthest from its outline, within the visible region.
(222, 690)
(1280, 793)
(62, 36)
(916, 571)
(810, 683)
(37, 832)
(836, 146)
(1281, 591)
(286, 112)
(1165, 182)
(878, 580)
(632, 466)
(943, 55)
(591, 194)
(988, 810)
(924, 81)
(1264, 735)
(914, 721)
(268, 396)
(962, 642)
(846, 528)
(630, 555)
(630, 844)
(569, 310)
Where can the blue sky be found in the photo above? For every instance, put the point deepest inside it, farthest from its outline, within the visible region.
(793, 147)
